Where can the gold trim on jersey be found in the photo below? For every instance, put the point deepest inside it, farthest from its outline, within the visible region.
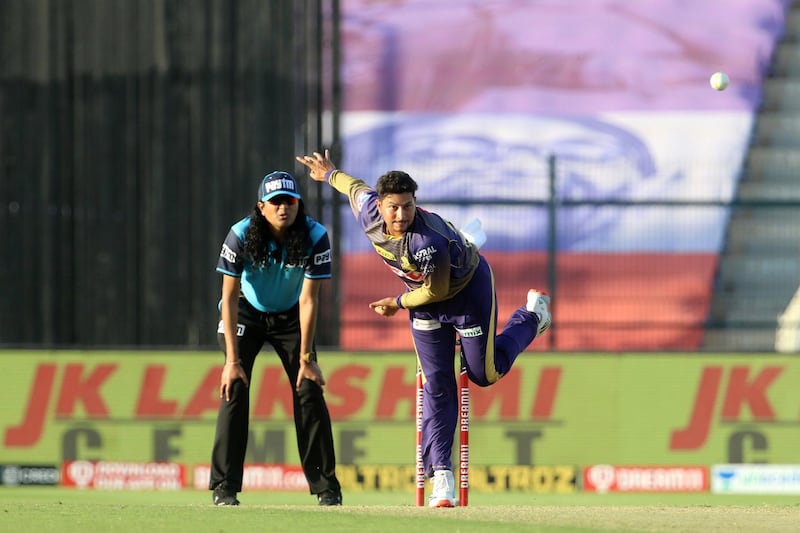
(492, 375)
(383, 252)
(407, 266)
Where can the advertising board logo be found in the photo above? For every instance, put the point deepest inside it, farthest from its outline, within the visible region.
(124, 475)
(608, 478)
(755, 479)
(601, 477)
(10, 475)
(259, 477)
(29, 475)
(81, 473)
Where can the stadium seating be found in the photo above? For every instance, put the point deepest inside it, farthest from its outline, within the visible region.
(759, 268)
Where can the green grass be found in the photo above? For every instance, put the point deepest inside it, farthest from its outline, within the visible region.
(35, 509)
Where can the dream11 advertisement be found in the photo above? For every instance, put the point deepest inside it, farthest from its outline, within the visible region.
(616, 93)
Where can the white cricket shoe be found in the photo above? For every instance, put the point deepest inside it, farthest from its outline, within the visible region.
(537, 304)
(444, 490)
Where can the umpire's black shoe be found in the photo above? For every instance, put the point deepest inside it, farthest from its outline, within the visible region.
(330, 497)
(224, 497)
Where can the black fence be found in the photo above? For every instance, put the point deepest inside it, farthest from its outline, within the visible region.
(132, 135)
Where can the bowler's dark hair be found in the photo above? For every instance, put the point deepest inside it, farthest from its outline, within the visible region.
(395, 182)
(258, 237)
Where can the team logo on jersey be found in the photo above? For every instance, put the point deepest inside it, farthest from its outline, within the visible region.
(324, 257)
(228, 254)
(360, 199)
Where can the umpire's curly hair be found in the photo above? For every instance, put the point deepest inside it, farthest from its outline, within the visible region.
(258, 237)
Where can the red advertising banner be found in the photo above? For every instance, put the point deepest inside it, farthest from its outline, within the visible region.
(259, 477)
(123, 476)
(608, 478)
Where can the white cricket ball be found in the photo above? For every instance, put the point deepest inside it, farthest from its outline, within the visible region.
(719, 81)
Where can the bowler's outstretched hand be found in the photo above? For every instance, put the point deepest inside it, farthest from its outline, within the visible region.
(318, 164)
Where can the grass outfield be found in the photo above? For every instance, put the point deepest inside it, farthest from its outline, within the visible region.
(35, 509)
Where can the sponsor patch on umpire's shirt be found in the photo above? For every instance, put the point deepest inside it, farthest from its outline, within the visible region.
(324, 257)
(228, 254)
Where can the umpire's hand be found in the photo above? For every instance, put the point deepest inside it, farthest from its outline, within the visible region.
(309, 370)
(230, 373)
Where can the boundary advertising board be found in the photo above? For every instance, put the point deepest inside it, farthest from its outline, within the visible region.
(567, 409)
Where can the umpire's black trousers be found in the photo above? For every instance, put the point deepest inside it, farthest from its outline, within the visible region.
(311, 418)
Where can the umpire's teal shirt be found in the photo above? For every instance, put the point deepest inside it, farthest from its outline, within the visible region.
(275, 286)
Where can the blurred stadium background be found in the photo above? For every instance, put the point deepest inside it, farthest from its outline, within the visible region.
(660, 214)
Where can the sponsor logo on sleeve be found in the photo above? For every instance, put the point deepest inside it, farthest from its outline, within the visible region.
(228, 254)
(322, 258)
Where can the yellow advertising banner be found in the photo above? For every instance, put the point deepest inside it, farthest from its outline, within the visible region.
(565, 409)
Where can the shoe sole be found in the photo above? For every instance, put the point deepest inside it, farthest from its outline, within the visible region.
(442, 503)
(545, 325)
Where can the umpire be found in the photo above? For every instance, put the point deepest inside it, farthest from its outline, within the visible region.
(272, 264)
